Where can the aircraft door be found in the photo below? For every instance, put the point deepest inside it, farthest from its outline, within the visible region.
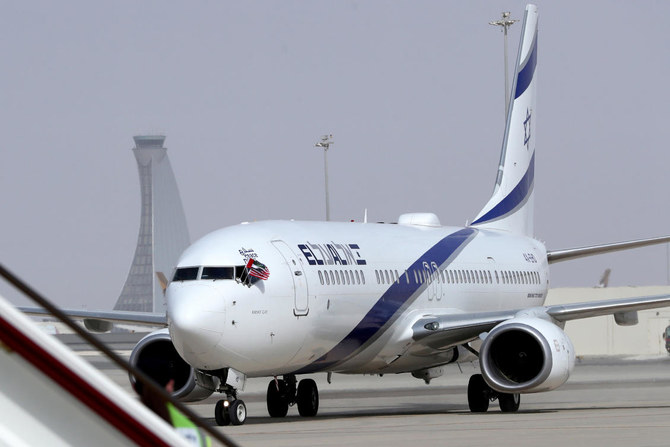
(294, 264)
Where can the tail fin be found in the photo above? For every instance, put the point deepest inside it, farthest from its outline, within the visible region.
(511, 205)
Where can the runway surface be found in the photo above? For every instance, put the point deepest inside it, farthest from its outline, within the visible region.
(608, 402)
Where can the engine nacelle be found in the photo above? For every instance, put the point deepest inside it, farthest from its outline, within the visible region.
(526, 355)
(156, 356)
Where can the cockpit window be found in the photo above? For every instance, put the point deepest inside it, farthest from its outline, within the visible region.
(218, 273)
(186, 274)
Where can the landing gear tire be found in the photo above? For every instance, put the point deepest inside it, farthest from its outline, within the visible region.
(237, 412)
(308, 398)
(509, 403)
(478, 394)
(221, 414)
(277, 398)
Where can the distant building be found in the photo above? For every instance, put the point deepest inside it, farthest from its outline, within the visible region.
(163, 232)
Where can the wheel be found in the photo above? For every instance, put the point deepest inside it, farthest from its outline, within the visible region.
(221, 413)
(509, 403)
(478, 394)
(277, 399)
(308, 398)
(237, 412)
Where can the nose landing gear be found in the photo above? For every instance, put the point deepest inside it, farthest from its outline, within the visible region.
(283, 393)
(230, 410)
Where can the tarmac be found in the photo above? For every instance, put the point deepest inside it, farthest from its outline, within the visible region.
(622, 401)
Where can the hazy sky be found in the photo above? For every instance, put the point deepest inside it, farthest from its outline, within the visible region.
(412, 91)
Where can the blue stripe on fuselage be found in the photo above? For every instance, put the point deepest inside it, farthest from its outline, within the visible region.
(390, 305)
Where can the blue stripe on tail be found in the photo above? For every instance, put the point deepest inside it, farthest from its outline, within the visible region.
(516, 198)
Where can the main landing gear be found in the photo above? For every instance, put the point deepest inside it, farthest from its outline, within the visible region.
(283, 393)
(480, 394)
(230, 410)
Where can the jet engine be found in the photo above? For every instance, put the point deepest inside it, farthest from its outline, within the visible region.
(526, 355)
(156, 356)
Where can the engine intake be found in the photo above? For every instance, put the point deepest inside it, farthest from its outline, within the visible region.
(526, 355)
(156, 356)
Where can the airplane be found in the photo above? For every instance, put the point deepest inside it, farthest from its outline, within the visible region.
(281, 299)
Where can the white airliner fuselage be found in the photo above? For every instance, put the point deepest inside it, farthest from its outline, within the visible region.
(333, 297)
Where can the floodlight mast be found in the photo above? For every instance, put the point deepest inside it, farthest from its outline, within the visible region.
(505, 22)
(326, 141)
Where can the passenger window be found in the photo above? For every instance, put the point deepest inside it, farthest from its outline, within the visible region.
(362, 277)
(332, 277)
(321, 277)
(386, 273)
(358, 278)
(377, 275)
(215, 273)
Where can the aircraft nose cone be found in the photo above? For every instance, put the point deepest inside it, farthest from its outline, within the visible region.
(194, 320)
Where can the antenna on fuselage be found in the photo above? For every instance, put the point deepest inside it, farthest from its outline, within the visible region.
(365, 216)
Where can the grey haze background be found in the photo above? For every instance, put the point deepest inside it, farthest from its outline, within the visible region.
(412, 92)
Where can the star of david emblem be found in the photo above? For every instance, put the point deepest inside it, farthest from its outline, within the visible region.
(526, 129)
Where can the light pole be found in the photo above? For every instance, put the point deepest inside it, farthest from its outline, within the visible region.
(326, 141)
(505, 22)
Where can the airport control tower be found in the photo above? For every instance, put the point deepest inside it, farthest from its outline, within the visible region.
(163, 231)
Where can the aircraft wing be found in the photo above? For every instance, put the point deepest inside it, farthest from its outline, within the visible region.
(573, 253)
(442, 331)
(567, 312)
(102, 321)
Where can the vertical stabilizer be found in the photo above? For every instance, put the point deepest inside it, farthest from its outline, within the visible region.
(511, 205)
